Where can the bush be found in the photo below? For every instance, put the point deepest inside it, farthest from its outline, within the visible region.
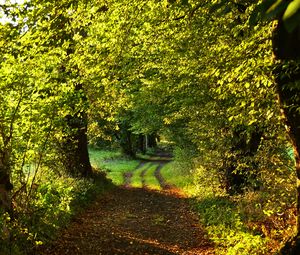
(225, 226)
(51, 204)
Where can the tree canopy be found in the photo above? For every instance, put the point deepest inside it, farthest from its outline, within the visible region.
(217, 78)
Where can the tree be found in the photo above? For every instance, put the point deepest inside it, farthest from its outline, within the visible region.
(286, 43)
(54, 22)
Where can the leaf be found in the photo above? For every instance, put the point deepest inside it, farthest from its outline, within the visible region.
(185, 2)
(291, 16)
(217, 6)
(260, 11)
(278, 7)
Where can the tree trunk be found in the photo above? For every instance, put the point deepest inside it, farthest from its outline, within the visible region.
(142, 143)
(5, 190)
(243, 149)
(290, 102)
(152, 141)
(75, 146)
(5, 184)
(5, 193)
(286, 47)
(127, 140)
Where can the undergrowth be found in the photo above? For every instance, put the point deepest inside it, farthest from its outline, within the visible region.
(226, 228)
(42, 209)
(175, 175)
(223, 221)
(256, 222)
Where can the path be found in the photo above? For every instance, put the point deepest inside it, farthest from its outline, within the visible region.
(135, 221)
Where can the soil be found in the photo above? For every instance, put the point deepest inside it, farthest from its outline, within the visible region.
(135, 221)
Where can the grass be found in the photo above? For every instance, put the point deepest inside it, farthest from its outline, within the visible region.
(113, 163)
(136, 180)
(150, 179)
(221, 216)
(175, 176)
(225, 223)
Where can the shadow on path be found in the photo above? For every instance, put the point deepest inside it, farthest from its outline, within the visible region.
(136, 222)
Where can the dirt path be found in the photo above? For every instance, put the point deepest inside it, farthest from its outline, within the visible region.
(142, 175)
(163, 184)
(133, 221)
(127, 176)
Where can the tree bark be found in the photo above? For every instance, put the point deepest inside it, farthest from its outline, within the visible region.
(75, 146)
(290, 105)
(5, 184)
(286, 48)
(142, 143)
(127, 140)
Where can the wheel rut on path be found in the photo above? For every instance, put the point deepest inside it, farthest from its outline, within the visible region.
(163, 184)
(142, 175)
(160, 164)
(128, 175)
(134, 221)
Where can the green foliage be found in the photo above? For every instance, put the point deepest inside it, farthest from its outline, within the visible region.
(288, 11)
(226, 229)
(291, 16)
(253, 223)
(54, 201)
(194, 72)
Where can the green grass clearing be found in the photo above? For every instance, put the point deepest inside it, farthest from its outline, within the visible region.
(113, 163)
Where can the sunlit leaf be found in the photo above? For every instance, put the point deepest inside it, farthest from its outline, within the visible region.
(291, 16)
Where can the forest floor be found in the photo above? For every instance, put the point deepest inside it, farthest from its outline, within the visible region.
(135, 221)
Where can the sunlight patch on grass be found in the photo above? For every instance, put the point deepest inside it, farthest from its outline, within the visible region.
(113, 163)
(136, 180)
(150, 179)
(174, 176)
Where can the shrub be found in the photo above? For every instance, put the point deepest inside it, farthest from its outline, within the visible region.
(51, 204)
